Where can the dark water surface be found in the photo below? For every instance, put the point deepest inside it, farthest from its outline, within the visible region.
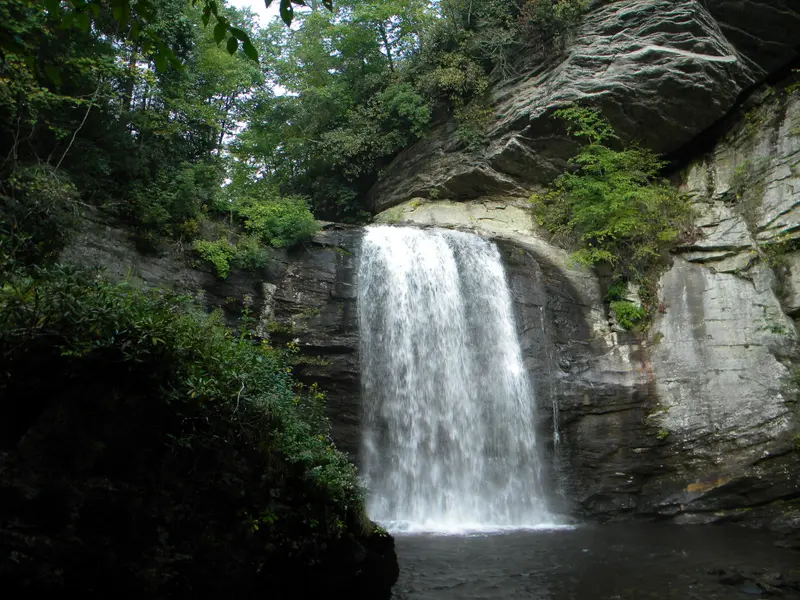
(611, 562)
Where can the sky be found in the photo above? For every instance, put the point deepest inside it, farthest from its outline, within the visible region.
(265, 15)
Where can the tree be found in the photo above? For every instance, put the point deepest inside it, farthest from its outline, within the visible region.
(133, 19)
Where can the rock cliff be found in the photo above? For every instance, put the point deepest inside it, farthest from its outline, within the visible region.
(697, 420)
(661, 70)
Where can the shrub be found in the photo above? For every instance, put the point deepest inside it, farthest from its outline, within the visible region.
(279, 223)
(403, 109)
(219, 253)
(628, 315)
(612, 207)
(456, 77)
(37, 213)
(544, 21)
(250, 254)
(472, 121)
(160, 436)
(247, 254)
(172, 197)
(615, 291)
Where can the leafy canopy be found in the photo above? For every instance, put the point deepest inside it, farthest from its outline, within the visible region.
(136, 17)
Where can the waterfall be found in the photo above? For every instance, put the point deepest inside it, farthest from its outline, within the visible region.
(449, 441)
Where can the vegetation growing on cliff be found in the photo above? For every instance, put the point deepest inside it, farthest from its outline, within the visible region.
(158, 433)
(613, 209)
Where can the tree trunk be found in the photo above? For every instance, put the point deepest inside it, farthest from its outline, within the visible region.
(386, 45)
(127, 93)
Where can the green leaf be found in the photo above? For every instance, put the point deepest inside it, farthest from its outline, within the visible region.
(161, 62)
(133, 35)
(232, 45)
(53, 74)
(164, 54)
(287, 12)
(52, 5)
(219, 32)
(250, 50)
(212, 4)
(206, 16)
(125, 16)
(239, 34)
(145, 10)
(95, 10)
(328, 4)
(173, 60)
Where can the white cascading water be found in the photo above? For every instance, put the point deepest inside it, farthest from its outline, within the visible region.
(449, 442)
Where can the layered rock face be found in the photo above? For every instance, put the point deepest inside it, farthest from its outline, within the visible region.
(306, 296)
(660, 70)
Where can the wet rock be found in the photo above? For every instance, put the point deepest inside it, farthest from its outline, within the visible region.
(315, 305)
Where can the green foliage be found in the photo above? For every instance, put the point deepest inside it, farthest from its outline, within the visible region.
(662, 434)
(472, 121)
(628, 315)
(137, 17)
(402, 108)
(247, 254)
(219, 253)
(250, 254)
(168, 436)
(37, 213)
(281, 222)
(142, 140)
(615, 291)
(206, 368)
(545, 21)
(456, 77)
(612, 207)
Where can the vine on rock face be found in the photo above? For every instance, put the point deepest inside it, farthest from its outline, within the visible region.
(613, 209)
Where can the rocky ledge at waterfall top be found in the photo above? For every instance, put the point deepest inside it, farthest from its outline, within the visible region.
(662, 71)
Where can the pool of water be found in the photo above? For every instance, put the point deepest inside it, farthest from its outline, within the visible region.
(594, 562)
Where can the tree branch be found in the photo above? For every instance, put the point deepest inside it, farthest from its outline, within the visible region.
(75, 133)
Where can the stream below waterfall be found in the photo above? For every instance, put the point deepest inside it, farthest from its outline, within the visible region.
(591, 562)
